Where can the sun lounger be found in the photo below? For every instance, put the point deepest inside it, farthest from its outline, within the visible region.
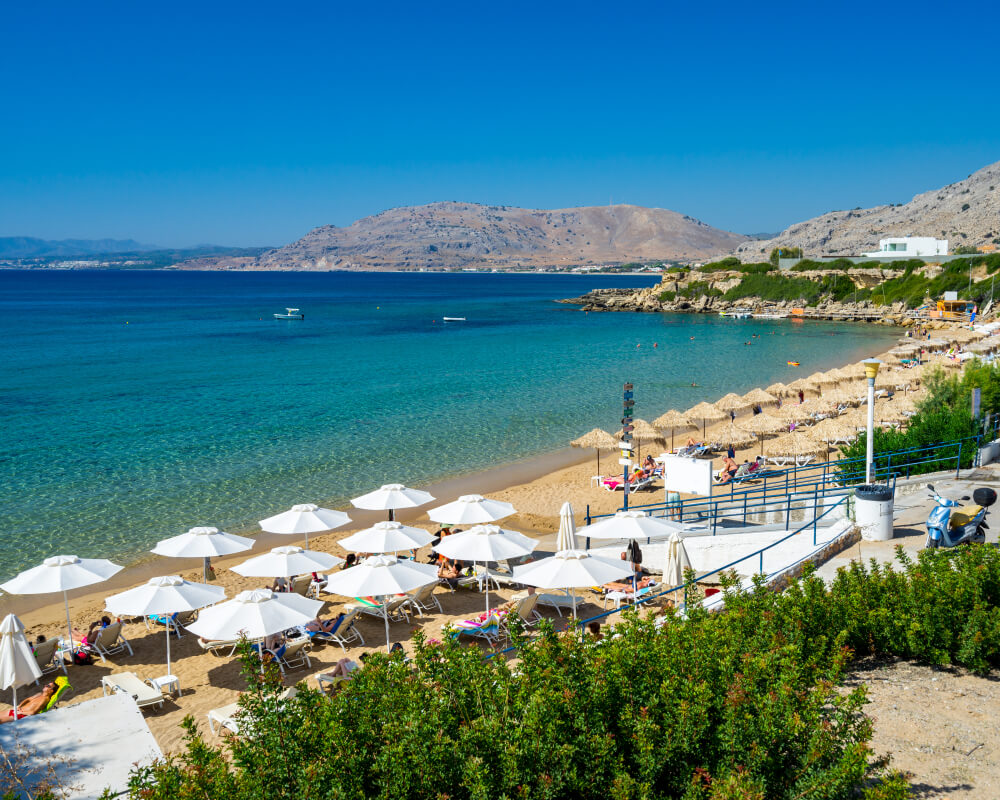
(48, 659)
(292, 655)
(525, 610)
(174, 621)
(488, 629)
(327, 683)
(345, 633)
(423, 599)
(131, 684)
(226, 716)
(301, 584)
(109, 641)
(559, 602)
(394, 607)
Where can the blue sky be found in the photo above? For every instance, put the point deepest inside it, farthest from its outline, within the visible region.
(249, 124)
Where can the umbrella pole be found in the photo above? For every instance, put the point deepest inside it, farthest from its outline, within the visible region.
(69, 625)
(205, 568)
(574, 605)
(598, 451)
(15, 702)
(486, 575)
(168, 646)
(391, 516)
(385, 613)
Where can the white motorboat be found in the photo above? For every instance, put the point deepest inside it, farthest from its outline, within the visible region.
(453, 319)
(290, 313)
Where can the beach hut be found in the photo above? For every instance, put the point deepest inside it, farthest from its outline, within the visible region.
(599, 440)
(672, 420)
(706, 412)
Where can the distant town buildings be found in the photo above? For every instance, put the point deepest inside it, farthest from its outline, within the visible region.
(910, 247)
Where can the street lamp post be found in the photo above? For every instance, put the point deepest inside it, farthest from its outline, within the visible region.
(871, 370)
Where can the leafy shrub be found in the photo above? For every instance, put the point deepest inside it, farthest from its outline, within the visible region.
(732, 262)
(667, 296)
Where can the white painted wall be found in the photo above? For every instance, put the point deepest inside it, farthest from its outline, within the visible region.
(911, 247)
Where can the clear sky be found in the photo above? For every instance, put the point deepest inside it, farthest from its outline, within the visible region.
(250, 123)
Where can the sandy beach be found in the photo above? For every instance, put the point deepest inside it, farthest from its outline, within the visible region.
(536, 487)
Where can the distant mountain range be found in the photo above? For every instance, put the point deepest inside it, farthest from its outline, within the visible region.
(466, 235)
(964, 213)
(28, 247)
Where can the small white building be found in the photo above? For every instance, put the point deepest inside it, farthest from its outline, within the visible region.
(910, 247)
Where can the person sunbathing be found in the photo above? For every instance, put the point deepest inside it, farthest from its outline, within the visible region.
(35, 704)
(626, 587)
(325, 625)
(449, 573)
(344, 667)
(729, 467)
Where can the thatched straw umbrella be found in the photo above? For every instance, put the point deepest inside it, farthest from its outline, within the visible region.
(764, 425)
(791, 412)
(816, 405)
(856, 370)
(836, 375)
(888, 413)
(833, 429)
(819, 378)
(642, 431)
(672, 420)
(599, 440)
(705, 412)
(730, 403)
(758, 397)
(802, 385)
(795, 445)
(733, 436)
(777, 389)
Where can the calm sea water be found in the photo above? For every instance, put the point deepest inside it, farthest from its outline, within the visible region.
(137, 404)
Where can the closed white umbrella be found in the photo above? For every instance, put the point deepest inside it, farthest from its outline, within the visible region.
(387, 537)
(566, 540)
(256, 614)
(17, 664)
(61, 574)
(391, 496)
(283, 562)
(168, 594)
(202, 542)
(471, 509)
(381, 575)
(486, 543)
(571, 569)
(304, 519)
(631, 525)
(676, 561)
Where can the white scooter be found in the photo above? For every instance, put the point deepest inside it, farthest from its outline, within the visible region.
(948, 528)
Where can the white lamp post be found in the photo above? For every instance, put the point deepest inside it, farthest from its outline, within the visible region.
(871, 370)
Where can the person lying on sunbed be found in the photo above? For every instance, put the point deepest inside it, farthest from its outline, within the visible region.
(626, 586)
(344, 667)
(325, 625)
(449, 572)
(35, 704)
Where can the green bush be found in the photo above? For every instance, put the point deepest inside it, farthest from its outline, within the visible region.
(732, 262)
(667, 296)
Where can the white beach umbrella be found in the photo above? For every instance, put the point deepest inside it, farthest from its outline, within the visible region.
(391, 496)
(202, 542)
(283, 562)
(571, 569)
(631, 525)
(381, 575)
(61, 574)
(486, 543)
(471, 509)
(256, 614)
(566, 540)
(17, 663)
(168, 594)
(387, 537)
(676, 561)
(304, 519)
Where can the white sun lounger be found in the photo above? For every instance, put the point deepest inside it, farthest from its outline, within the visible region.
(135, 687)
(423, 599)
(225, 716)
(295, 655)
(48, 659)
(559, 601)
(109, 641)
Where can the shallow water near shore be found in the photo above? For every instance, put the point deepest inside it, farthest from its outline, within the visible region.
(138, 404)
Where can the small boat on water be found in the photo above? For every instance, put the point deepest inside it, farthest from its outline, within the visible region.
(453, 319)
(735, 314)
(770, 316)
(290, 313)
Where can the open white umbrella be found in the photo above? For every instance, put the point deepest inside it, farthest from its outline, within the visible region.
(471, 509)
(571, 569)
(381, 575)
(168, 594)
(387, 537)
(61, 574)
(390, 497)
(256, 614)
(486, 543)
(566, 540)
(202, 542)
(17, 664)
(676, 561)
(283, 562)
(631, 525)
(304, 519)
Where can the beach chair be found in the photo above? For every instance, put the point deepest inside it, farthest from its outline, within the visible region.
(394, 607)
(109, 641)
(301, 584)
(292, 655)
(48, 659)
(173, 621)
(560, 602)
(346, 633)
(525, 610)
(488, 629)
(135, 687)
(227, 716)
(328, 683)
(423, 599)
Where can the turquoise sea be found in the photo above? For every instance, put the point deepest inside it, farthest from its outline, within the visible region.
(137, 404)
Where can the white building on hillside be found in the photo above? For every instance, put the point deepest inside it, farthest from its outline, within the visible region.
(910, 247)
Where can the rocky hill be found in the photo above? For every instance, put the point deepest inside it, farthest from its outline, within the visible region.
(965, 213)
(463, 235)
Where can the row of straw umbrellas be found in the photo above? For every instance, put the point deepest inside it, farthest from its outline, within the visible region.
(836, 388)
(259, 613)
